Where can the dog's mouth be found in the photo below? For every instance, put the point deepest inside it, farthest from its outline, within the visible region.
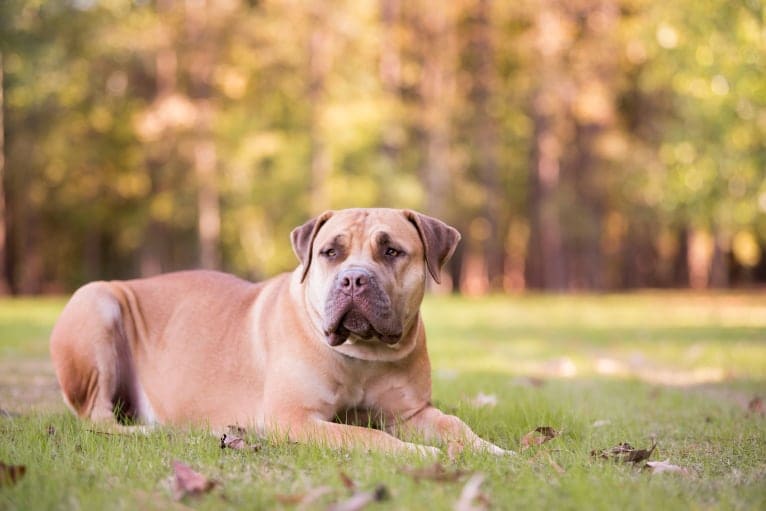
(349, 318)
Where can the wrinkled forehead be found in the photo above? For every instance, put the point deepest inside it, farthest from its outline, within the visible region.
(354, 225)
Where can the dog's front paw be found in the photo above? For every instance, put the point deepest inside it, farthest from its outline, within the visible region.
(496, 450)
(424, 451)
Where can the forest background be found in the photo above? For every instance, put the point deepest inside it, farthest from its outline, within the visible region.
(577, 145)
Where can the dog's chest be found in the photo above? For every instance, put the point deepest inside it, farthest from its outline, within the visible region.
(358, 386)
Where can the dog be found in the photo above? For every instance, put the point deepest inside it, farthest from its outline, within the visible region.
(311, 354)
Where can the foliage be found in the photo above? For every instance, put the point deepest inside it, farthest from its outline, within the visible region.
(585, 144)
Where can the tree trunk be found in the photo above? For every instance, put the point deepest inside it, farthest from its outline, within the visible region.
(545, 259)
(435, 88)
(719, 267)
(390, 77)
(319, 60)
(204, 157)
(5, 281)
(151, 256)
(485, 135)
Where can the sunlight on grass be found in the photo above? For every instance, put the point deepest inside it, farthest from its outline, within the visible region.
(667, 338)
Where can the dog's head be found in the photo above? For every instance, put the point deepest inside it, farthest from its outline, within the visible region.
(364, 270)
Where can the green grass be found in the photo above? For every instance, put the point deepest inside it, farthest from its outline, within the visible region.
(675, 366)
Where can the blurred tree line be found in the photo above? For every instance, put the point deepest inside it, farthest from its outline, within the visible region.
(576, 144)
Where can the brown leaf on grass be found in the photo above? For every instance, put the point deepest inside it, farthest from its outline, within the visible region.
(435, 472)
(304, 499)
(756, 406)
(346, 480)
(540, 435)
(361, 499)
(188, 482)
(658, 467)
(625, 452)
(472, 498)
(237, 443)
(11, 474)
(51, 430)
(454, 449)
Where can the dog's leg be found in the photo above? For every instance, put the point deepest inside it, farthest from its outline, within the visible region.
(335, 435)
(86, 345)
(436, 426)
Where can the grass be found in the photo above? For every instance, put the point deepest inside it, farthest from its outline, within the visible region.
(674, 366)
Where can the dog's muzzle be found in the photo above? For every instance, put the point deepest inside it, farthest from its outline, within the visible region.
(358, 305)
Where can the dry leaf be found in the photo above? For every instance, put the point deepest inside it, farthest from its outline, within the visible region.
(756, 406)
(625, 452)
(435, 472)
(539, 436)
(454, 448)
(360, 500)
(346, 480)
(657, 467)
(51, 430)
(483, 399)
(188, 482)
(11, 474)
(236, 443)
(471, 498)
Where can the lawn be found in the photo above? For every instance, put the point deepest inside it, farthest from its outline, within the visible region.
(682, 370)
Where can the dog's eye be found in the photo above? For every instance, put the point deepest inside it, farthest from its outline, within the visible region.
(392, 252)
(329, 252)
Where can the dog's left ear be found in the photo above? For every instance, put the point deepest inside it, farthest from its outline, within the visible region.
(303, 240)
(439, 241)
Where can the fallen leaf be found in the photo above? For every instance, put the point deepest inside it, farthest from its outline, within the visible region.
(188, 482)
(346, 480)
(360, 500)
(540, 435)
(454, 448)
(51, 430)
(482, 399)
(435, 472)
(237, 443)
(658, 467)
(640, 454)
(756, 406)
(472, 498)
(625, 452)
(11, 474)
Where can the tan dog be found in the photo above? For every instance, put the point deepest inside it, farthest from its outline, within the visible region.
(340, 338)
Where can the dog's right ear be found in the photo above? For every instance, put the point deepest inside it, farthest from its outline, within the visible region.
(303, 240)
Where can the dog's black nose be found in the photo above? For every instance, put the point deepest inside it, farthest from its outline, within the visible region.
(353, 280)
